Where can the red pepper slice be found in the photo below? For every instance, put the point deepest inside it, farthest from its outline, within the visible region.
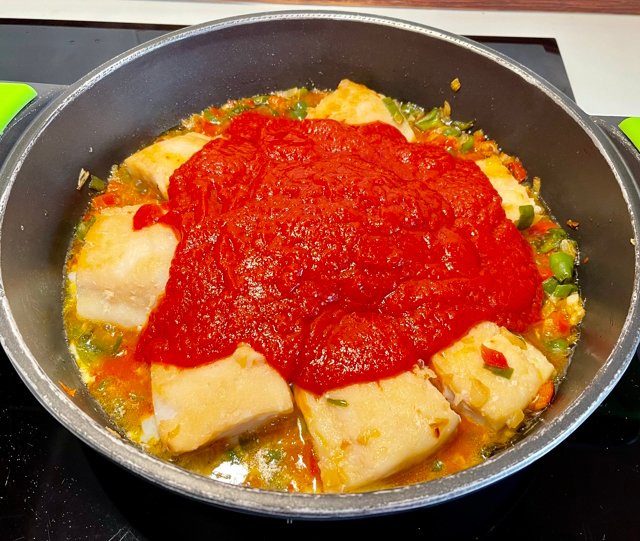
(543, 398)
(517, 170)
(105, 200)
(493, 358)
(496, 362)
(147, 215)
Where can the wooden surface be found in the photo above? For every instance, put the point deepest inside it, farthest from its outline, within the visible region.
(628, 7)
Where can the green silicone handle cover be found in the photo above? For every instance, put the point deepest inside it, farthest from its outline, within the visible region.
(631, 128)
(13, 97)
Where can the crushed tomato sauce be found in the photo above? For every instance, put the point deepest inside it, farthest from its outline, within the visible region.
(342, 253)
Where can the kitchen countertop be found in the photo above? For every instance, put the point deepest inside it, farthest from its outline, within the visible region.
(600, 50)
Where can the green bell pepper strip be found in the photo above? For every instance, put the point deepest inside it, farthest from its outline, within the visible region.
(526, 216)
(550, 285)
(393, 109)
(564, 290)
(502, 372)
(561, 265)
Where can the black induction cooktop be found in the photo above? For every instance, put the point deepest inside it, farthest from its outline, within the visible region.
(54, 487)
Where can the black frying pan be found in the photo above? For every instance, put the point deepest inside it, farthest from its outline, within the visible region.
(125, 103)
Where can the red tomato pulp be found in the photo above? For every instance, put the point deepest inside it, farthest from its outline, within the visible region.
(342, 253)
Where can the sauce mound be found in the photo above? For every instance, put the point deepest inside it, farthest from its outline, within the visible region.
(342, 253)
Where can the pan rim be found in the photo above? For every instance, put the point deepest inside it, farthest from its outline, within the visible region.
(317, 506)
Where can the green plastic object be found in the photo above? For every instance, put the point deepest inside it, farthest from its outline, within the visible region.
(13, 98)
(631, 128)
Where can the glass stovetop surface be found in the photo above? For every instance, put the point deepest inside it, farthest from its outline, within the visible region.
(54, 487)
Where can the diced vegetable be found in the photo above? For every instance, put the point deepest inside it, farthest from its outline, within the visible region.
(561, 265)
(536, 185)
(502, 372)
(549, 285)
(98, 341)
(467, 143)
(552, 286)
(496, 362)
(392, 106)
(97, 184)
(411, 110)
(430, 120)
(117, 344)
(492, 357)
(517, 170)
(211, 116)
(299, 110)
(544, 397)
(526, 216)
(84, 226)
(558, 346)
(82, 178)
(553, 239)
(564, 290)
(338, 402)
(237, 109)
(462, 125)
(261, 100)
(451, 131)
